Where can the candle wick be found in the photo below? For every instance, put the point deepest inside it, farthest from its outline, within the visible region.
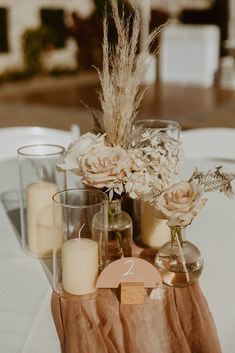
(79, 233)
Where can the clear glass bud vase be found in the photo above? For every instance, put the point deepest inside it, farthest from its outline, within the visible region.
(119, 231)
(179, 262)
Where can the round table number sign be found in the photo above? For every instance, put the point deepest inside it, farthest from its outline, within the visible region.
(133, 275)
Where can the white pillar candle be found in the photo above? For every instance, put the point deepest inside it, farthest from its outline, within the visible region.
(79, 266)
(154, 231)
(39, 218)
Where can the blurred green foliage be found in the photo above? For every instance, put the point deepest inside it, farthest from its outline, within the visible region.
(33, 43)
(88, 34)
(11, 75)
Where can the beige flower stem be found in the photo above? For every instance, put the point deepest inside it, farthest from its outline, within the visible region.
(118, 237)
(177, 237)
(120, 243)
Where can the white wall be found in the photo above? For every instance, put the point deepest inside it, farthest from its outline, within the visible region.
(232, 20)
(23, 14)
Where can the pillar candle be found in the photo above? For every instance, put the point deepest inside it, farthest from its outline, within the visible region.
(154, 231)
(79, 266)
(39, 218)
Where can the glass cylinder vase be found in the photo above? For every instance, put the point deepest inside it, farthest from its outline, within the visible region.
(154, 231)
(179, 262)
(169, 127)
(39, 181)
(81, 216)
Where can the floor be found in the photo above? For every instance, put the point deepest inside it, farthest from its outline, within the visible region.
(60, 102)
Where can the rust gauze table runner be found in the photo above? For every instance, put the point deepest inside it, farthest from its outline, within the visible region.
(179, 323)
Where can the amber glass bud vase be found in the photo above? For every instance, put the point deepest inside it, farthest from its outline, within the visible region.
(119, 231)
(179, 262)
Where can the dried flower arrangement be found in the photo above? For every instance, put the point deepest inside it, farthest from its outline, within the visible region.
(122, 159)
(180, 203)
(117, 157)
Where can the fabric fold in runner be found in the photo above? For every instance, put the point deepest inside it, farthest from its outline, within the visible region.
(181, 323)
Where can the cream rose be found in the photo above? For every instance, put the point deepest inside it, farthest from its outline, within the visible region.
(78, 149)
(180, 203)
(105, 166)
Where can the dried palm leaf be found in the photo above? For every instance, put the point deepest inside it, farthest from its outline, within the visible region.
(214, 180)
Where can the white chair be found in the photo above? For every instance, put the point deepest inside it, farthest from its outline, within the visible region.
(12, 138)
(189, 54)
(209, 143)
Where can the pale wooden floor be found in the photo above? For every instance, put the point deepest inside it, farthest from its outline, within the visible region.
(57, 103)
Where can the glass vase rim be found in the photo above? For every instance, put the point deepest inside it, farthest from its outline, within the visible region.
(116, 200)
(61, 149)
(175, 124)
(81, 190)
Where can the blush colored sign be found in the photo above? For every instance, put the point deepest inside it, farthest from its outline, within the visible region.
(129, 269)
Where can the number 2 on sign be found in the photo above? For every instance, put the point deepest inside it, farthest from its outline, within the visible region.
(129, 271)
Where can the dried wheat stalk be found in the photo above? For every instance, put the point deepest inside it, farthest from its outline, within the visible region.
(120, 80)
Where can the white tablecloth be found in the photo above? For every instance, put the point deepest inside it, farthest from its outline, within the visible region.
(26, 325)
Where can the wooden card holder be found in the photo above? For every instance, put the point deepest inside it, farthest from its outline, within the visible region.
(132, 293)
